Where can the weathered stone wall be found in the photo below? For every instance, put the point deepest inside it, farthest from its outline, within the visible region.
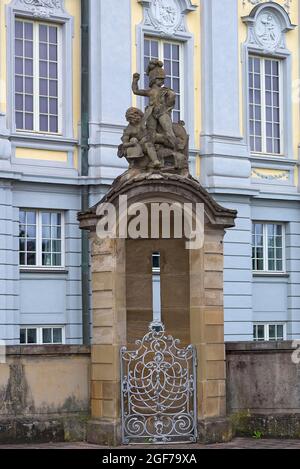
(44, 393)
(263, 388)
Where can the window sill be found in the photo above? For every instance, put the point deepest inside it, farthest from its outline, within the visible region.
(272, 158)
(270, 274)
(40, 270)
(19, 135)
(267, 155)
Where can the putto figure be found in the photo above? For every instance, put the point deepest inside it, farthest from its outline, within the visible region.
(136, 142)
(161, 101)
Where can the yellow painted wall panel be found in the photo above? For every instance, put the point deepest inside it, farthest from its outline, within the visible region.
(136, 18)
(43, 155)
(73, 7)
(193, 27)
(3, 58)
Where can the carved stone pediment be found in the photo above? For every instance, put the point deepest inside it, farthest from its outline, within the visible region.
(166, 16)
(267, 30)
(287, 3)
(148, 186)
(41, 8)
(267, 24)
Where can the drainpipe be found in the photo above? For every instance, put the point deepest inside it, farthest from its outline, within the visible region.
(85, 167)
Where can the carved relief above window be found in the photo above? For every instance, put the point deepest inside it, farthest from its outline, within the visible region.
(166, 16)
(267, 30)
(267, 25)
(41, 8)
(287, 3)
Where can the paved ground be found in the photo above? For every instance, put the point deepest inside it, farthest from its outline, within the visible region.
(237, 443)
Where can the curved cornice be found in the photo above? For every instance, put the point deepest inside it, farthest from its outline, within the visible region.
(161, 187)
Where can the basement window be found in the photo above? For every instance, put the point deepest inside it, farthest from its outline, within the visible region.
(42, 335)
(269, 332)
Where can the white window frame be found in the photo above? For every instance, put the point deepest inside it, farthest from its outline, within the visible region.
(36, 78)
(161, 43)
(262, 59)
(39, 253)
(265, 248)
(266, 331)
(39, 334)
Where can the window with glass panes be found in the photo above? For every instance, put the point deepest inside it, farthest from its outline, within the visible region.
(170, 53)
(265, 124)
(30, 335)
(268, 332)
(41, 238)
(37, 51)
(268, 247)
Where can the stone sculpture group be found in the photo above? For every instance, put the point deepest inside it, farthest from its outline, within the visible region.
(151, 141)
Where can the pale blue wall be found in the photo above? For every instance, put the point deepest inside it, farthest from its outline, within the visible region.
(260, 298)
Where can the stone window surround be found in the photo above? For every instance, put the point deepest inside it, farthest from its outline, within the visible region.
(253, 47)
(180, 36)
(59, 17)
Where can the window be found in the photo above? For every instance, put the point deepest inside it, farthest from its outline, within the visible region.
(269, 332)
(30, 335)
(156, 288)
(265, 105)
(268, 246)
(156, 262)
(171, 54)
(41, 238)
(37, 62)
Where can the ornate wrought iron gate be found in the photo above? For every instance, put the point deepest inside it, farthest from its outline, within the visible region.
(158, 390)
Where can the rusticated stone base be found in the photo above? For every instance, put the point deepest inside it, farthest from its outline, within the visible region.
(217, 430)
(104, 432)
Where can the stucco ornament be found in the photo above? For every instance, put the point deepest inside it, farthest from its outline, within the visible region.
(287, 3)
(268, 30)
(165, 14)
(268, 25)
(42, 8)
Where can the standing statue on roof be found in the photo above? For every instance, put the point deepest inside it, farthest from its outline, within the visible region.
(151, 141)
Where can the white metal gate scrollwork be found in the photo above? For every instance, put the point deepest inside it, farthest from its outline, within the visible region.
(158, 390)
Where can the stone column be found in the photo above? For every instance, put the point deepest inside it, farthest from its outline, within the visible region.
(109, 334)
(207, 334)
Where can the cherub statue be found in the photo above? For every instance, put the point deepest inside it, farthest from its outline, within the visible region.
(161, 102)
(136, 143)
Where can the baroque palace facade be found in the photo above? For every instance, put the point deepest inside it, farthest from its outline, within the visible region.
(66, 70)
